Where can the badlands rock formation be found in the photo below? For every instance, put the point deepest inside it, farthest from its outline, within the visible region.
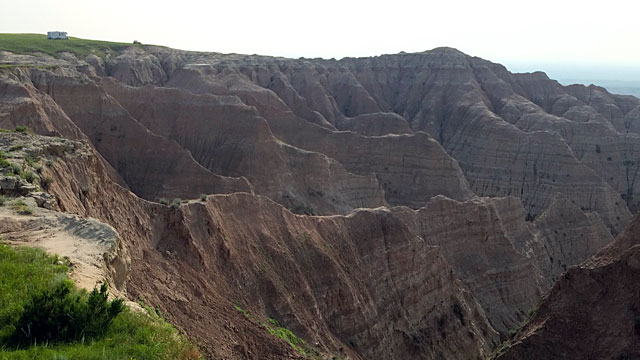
(410, 206)
(593, 311)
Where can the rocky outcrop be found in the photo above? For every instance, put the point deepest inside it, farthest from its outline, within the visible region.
(30, 214)
(23, 105)
(478, 240)
(591, 312)
(150, 165)
(536, 135)
(94, 250)
(572, 237)
(453, 97)
(411, 168)
(231, 139)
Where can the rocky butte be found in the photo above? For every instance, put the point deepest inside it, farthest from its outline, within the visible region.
(430, 205)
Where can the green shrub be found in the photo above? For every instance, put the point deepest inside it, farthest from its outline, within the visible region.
(29, 176)
(3, 200)
(274, 328)
(64, 314)
(25, 211)
(22, 129)
(176, 203)
(22, 271)
(203, 197)
(16, 147)
(4, 163)
(241, 310)
(285, 334)
(16, 169)
(29, 160)
(26, 273)
(46, 182)
(22, 208)
(163, 201)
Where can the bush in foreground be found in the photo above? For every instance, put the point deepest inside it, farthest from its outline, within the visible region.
(63, 314)
(34, 289)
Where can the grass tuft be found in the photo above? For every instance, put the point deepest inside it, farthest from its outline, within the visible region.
(46, 182)
(22, 208)
(4, 163)
(29, 176)
(274, 328)
(176, 203)
(285, 334)
(16, 169)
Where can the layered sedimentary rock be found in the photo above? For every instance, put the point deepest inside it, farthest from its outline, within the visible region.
(375, 124)
(149, 164)
(479, 241)
(572, 236)
(438, 282)
(22, 104)
(538, 138)
(498, 184)
(152, 166)
(527, 149)
(411, 168)
(593, 311)
(230, 138)
(198, 260)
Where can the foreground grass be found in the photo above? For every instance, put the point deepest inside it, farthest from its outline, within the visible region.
(30, 43)
(25, 271)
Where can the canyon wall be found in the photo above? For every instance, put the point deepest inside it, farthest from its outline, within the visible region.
(402, 206)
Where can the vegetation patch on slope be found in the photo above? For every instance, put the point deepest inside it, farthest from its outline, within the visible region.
(34, 286)
(33, 43)
(275, 329)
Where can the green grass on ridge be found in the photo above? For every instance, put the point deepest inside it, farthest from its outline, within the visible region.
(31, 43)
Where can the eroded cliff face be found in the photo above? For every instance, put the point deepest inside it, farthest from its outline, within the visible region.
(591, 312)
(454, 194)
(230, 138)
(438, 282)
(200, 259)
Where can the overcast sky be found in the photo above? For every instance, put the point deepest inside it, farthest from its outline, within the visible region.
(523, 35)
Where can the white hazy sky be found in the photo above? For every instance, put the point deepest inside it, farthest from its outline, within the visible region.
(524, 35)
